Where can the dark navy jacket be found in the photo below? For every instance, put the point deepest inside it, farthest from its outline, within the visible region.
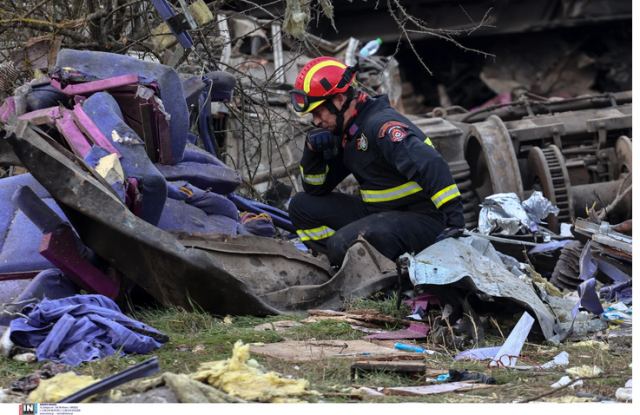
(394, 163)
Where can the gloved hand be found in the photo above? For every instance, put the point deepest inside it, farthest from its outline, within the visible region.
(450, 232)
(322, 141)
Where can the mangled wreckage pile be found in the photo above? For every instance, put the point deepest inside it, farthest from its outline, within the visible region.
(125, 192)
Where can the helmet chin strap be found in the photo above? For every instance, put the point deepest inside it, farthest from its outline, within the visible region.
(339, 113)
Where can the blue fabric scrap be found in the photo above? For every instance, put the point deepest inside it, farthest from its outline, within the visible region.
(81, 328)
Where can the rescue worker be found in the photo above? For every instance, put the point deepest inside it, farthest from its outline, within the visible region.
(408, 195)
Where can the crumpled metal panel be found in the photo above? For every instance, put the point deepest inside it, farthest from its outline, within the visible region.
(467, 261)
(291, 280)
(363, 272)
(263, 264)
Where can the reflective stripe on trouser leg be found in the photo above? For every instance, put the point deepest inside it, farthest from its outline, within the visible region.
(445, 195)
(393, 193)
(315, 234)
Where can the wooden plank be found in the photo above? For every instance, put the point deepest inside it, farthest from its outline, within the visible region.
(406, 366)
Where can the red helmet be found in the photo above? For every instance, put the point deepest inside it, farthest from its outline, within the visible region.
(319, 79)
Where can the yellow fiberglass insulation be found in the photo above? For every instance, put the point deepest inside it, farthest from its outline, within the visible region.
(59, 386)
(244, 378)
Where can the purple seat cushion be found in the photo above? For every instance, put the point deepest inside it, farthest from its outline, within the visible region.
(217, 178)
(19, 237)
(209, 202)
(103, 65)
(103, 109)
(178, 216)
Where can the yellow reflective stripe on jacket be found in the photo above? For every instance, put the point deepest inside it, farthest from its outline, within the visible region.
(428, 142)
(314, 179)
(445, 195)
(315, 234)
(394, 193)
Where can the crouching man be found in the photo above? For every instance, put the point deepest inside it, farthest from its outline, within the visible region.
(408, 198)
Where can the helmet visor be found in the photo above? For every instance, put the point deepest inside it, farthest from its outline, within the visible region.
(304, 103)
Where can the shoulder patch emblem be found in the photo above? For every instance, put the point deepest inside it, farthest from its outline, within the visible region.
(362, 144)
(396, 131)
(397, 134)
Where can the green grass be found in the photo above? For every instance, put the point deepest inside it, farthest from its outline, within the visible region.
(387, 305)
(197, 337)
(324, 330)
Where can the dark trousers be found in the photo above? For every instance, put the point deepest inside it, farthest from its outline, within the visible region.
(392, 233)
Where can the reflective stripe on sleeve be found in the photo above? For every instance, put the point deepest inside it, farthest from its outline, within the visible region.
(314, 179)
(315, 234)
(394, 193)
(445, 195)
(428, 142)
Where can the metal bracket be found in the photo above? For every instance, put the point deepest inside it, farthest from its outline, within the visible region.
(603, 125)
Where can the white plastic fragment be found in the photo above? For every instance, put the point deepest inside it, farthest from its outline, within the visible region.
(508, 354)
(565, 380)
(565, 229)
(369, 391)
(117, 138)
(577, 384)
(562, 359)
(25, 357)
(5, 343)
(618, 313)
(484, 353)
(625, 394)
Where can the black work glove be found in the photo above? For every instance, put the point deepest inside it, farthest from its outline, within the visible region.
(322, 141)
(450, 232)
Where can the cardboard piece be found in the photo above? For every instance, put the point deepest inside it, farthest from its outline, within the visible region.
(434, 389)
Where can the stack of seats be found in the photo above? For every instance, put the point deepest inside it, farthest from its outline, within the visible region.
(185, 190)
